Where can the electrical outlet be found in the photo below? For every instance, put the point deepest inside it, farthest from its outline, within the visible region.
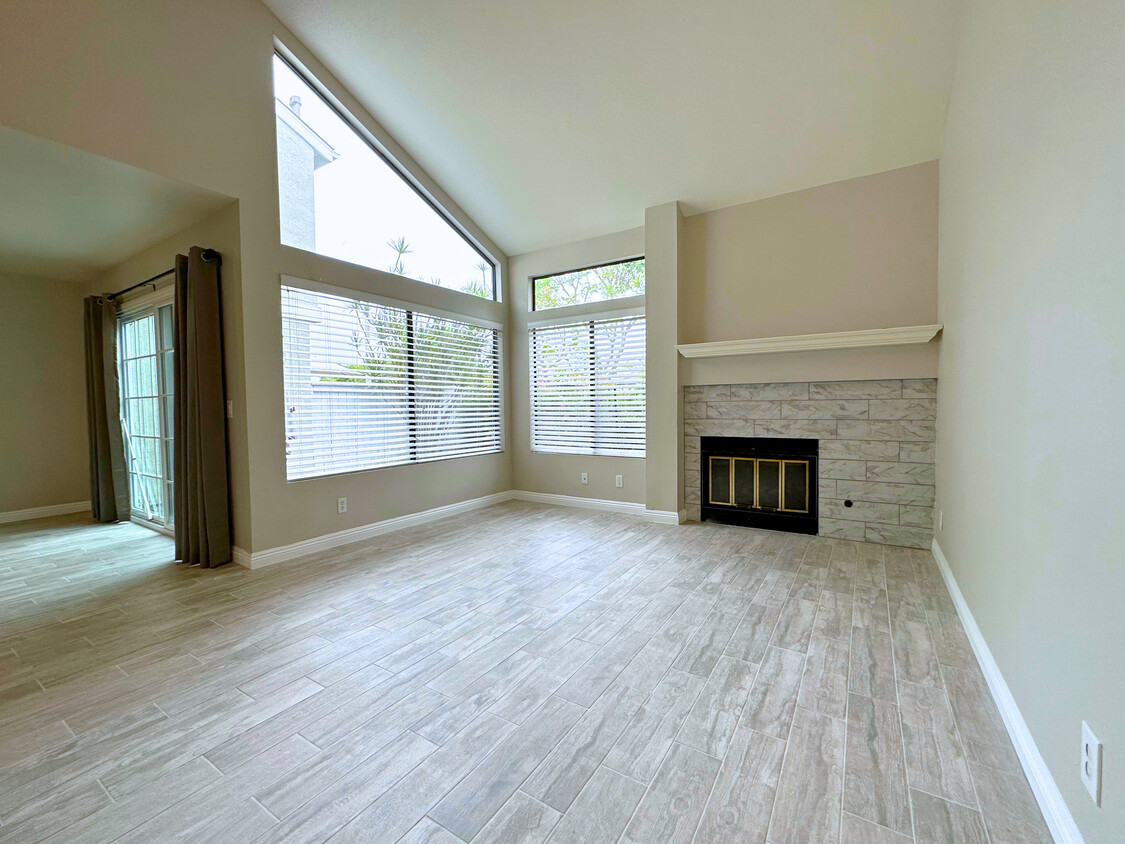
(585, 478)
(1092, 764)
(341, 505)
(620, 481)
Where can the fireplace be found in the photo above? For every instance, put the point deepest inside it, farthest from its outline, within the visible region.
(764, 482)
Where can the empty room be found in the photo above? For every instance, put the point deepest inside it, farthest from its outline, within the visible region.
(517, 422)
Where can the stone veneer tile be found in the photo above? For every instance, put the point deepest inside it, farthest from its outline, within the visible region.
(718, 428)
(916, 494)
(917, 453)
(707, 392)
(855, 390)
(919, 388)
(858, 450)
(839, 409)
(743, 410)
(876, 448)
(842, 530)
(860, 511)
(904, 473)
(916, 516)
(758, 392)
(903, 409)
(819, 428)
(859, 430)
(912, 537)
(849, 470)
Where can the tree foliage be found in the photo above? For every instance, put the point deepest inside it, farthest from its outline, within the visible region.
(596, 284)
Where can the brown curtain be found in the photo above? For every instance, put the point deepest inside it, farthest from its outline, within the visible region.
(202, 493)
(109, 474)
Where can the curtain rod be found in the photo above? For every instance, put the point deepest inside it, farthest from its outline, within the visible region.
(208, 255)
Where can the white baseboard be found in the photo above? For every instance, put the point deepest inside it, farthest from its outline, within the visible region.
(259, 559)
(44, 512)
(1055, 811)
(629, 507)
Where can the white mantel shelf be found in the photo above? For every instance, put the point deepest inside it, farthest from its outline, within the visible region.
(813, 342)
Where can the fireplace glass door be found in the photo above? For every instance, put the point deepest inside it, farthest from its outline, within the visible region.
(779, 485)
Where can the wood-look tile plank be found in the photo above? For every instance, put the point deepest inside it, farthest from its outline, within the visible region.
(752, 636)
(875, 777)
(521, 820)
(474, 800)
(601, 810)
(562, 774)
(641, 747)
(711, 722)
(807, 807)
(773, 697)
(824, 683)
(937, 821)
(982, 730)
(935, 759)
(742, 798)
(1010, 812)
(872, 665)
(795, 625)
(672, 806)
(859, 831)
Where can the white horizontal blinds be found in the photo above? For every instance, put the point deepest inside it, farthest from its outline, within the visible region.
(369, 385)
(588, 387)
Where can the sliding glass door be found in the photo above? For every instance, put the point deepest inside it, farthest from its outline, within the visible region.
(146, 369)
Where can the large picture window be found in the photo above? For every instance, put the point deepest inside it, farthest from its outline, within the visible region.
(369, 385)
(341, 198)
(588, 387)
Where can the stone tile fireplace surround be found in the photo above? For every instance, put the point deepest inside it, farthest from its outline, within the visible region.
(876, 447)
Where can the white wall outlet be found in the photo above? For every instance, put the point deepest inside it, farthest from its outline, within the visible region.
(940, 520)
(585, 478)
(620, 481)
(1092, 764)
(341, 505)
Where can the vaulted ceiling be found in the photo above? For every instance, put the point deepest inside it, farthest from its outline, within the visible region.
(550, 121)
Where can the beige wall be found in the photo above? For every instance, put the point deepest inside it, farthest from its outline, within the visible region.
(217, 231)
(43, 455)
(560, 474)
(856, 254)
(184, 90)
(1032, 293)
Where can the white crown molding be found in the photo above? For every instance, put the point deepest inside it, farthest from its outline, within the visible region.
(812, 342)
(44, 512)
(1055, 811)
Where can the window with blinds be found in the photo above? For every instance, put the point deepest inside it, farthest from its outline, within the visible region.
(588, 387)
(369, 385)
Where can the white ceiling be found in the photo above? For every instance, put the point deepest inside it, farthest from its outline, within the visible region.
(69, 214)
(549, 121)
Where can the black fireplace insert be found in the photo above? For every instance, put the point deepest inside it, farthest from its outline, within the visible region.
(764, 482)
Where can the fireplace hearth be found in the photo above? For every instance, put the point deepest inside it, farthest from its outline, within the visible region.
(764, 482)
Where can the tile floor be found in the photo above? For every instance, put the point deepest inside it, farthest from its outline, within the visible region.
(518, 674)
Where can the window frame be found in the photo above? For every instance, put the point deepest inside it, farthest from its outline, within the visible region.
(498, 327)
(597, 266)
(583, 313)
(309, 78)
